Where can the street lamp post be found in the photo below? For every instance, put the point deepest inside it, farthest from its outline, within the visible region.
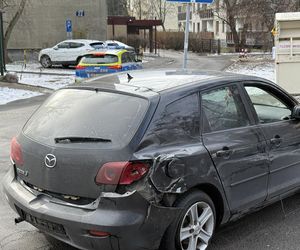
(2, 53)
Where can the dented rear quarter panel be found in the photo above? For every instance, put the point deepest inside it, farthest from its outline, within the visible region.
(179, 160)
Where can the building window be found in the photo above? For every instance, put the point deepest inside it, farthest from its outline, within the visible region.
(204, 26)
(217, 27)
(194, 28)
(198, 27)
(223, 26)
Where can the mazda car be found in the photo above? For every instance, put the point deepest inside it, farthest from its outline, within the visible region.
(154, 159)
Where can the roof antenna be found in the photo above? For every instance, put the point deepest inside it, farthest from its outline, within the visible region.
(129, 77)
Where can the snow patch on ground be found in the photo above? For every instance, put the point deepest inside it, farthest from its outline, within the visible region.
(47, 81)
(9, 95)
(260, 69)
(36, 67)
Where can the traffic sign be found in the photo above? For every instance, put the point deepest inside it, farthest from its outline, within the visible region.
(69, 26)
(191, 1)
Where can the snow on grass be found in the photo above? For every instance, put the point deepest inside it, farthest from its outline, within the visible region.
(264, 69)
(9, 95)
(47, 81)
(36, 67)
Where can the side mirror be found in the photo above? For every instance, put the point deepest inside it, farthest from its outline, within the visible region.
(296, 112)
(55, 48)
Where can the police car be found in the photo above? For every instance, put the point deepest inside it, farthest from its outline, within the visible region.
(103, 62)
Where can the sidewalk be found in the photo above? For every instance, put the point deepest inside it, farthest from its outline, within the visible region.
(10, 92)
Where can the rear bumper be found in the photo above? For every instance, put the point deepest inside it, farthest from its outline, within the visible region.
(131, 220)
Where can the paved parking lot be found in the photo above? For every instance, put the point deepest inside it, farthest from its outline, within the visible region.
(270, 228)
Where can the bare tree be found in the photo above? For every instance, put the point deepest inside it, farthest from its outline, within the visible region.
(247, 14)
(160, 9)
(228, 11)
(151, 9)
(267, 9)
(12, 11)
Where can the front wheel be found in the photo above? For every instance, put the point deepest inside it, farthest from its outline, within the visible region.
(46, 61)
(194, 227)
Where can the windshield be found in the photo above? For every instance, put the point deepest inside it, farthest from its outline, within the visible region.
(99, 59)
(74, 113)
(97, 45)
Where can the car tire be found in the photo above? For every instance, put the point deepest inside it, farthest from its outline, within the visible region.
(185, 231)
(46, 61)
(66, 66)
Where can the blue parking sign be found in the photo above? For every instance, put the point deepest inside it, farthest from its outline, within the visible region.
(68, 25)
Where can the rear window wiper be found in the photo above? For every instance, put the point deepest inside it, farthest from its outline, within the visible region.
(79, 139)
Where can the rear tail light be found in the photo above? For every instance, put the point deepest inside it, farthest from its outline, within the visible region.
(115, 67)
(98, 233)
(80, 67)
(16, 152)
(123, 173)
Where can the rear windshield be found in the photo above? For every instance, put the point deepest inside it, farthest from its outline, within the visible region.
(97, 45)
(87, 113)
(97, 59)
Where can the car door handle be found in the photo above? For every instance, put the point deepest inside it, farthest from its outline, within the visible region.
(225, 152)
(276, 140)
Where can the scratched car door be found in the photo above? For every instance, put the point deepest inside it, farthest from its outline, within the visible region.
(273, 113)
(236, 145)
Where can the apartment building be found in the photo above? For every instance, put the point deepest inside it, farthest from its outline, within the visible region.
(43, 22)
(203, 20)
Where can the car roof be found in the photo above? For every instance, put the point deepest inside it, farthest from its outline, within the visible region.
(83, 41)
(109, 52)
(118, 42)
(166, 80)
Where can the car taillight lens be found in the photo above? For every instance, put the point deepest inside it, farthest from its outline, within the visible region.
(16, 152)
(98, 233)
(115, 67)
(80, 67)
(123, 173)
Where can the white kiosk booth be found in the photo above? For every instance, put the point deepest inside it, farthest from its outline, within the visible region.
(287, 59)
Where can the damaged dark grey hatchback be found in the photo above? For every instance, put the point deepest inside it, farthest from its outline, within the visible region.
(164, 156)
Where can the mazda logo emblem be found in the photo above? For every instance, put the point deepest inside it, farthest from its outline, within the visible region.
(50, 161)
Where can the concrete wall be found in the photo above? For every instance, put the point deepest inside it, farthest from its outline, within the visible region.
(43, 22)
(120, 31)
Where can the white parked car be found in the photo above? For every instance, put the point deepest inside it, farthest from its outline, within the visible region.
(68, 52)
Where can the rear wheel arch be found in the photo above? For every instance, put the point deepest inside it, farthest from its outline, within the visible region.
(186, 201)
(216, 196)
(209, 189)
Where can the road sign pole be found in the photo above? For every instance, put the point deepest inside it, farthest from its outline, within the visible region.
(186, 36)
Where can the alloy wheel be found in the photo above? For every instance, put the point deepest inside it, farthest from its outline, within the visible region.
(197, 227)
(46, 62)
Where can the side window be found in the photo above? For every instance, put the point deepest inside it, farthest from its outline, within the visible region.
(179, 122)
(131, 57)
(126, 58)
(64, 45)
(223, 109)
(76, 45)
(268, 107)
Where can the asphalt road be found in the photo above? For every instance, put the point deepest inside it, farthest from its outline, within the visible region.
(270, 228)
